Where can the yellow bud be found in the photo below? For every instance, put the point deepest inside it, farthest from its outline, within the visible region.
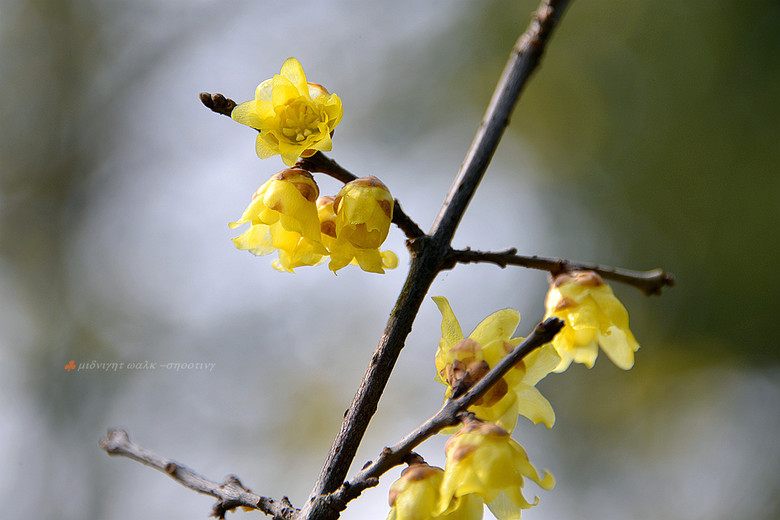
(594, 318)
(355, 223)
(482, 459)
(415, 496)
(364, 210)
(283, 217)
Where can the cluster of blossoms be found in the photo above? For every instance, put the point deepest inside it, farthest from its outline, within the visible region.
(294, 119)
(484, 465)
(287, 215)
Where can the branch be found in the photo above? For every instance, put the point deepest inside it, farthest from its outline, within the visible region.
(321, 163)
(649, 282)
(230, 494)
(525, 56)
(428, 256)
(448, 415)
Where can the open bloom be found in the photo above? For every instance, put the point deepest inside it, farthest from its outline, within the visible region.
(482, 459)
(283, 217)
(594, 317)
(415, 496)
(461, 362)
(294, 118)
(355, 223)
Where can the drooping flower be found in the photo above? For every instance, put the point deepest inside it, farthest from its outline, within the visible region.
(355, 223)
(294, 118)
(482, 459)
(594, 317)
(461, 362)
(415, 496)
(283, 217)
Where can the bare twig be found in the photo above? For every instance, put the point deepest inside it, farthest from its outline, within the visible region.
(230, 494)
(649, 282)
(448, 415)
(428, 257)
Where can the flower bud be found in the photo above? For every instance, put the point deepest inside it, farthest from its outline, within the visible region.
(355, 223)
(364, 210)
(482, 459)
(283, 217)
(415, 496)
(594, 318)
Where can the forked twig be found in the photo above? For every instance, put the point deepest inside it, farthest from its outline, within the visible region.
(230, 494)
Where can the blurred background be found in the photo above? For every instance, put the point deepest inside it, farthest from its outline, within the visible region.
(649, 138)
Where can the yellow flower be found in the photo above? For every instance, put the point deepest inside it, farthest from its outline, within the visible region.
(415, 496)
(594, 317)
(294, 118)
(355, 223)
(461, 362)
(283, 217)
(484, 460)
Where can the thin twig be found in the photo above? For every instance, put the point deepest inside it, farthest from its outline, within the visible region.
(649, 282)
(230, 494)
(428, 255)
(448, 415)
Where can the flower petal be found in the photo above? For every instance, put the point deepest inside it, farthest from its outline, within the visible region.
(451, 332)
(293, 71)
(247, 113)
(618, 347)
(499, 325)
(533, 405)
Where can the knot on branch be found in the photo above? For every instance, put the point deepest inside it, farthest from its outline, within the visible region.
(115, 440)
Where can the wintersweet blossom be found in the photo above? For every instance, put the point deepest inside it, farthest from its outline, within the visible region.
(294, 118)
(415, 496)
(594, 317)
(461, 362)
(283, 217)
(482, 459)
(355, 223)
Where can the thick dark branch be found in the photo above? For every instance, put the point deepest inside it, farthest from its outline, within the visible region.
(230, 494)
(428, 255)
(649, 282)
(523, 60)
(321, 163)
(218, 103)
(447, 416)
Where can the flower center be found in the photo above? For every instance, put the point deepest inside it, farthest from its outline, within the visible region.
(299, 120)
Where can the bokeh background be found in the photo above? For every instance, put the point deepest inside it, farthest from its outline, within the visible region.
(648, 139)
